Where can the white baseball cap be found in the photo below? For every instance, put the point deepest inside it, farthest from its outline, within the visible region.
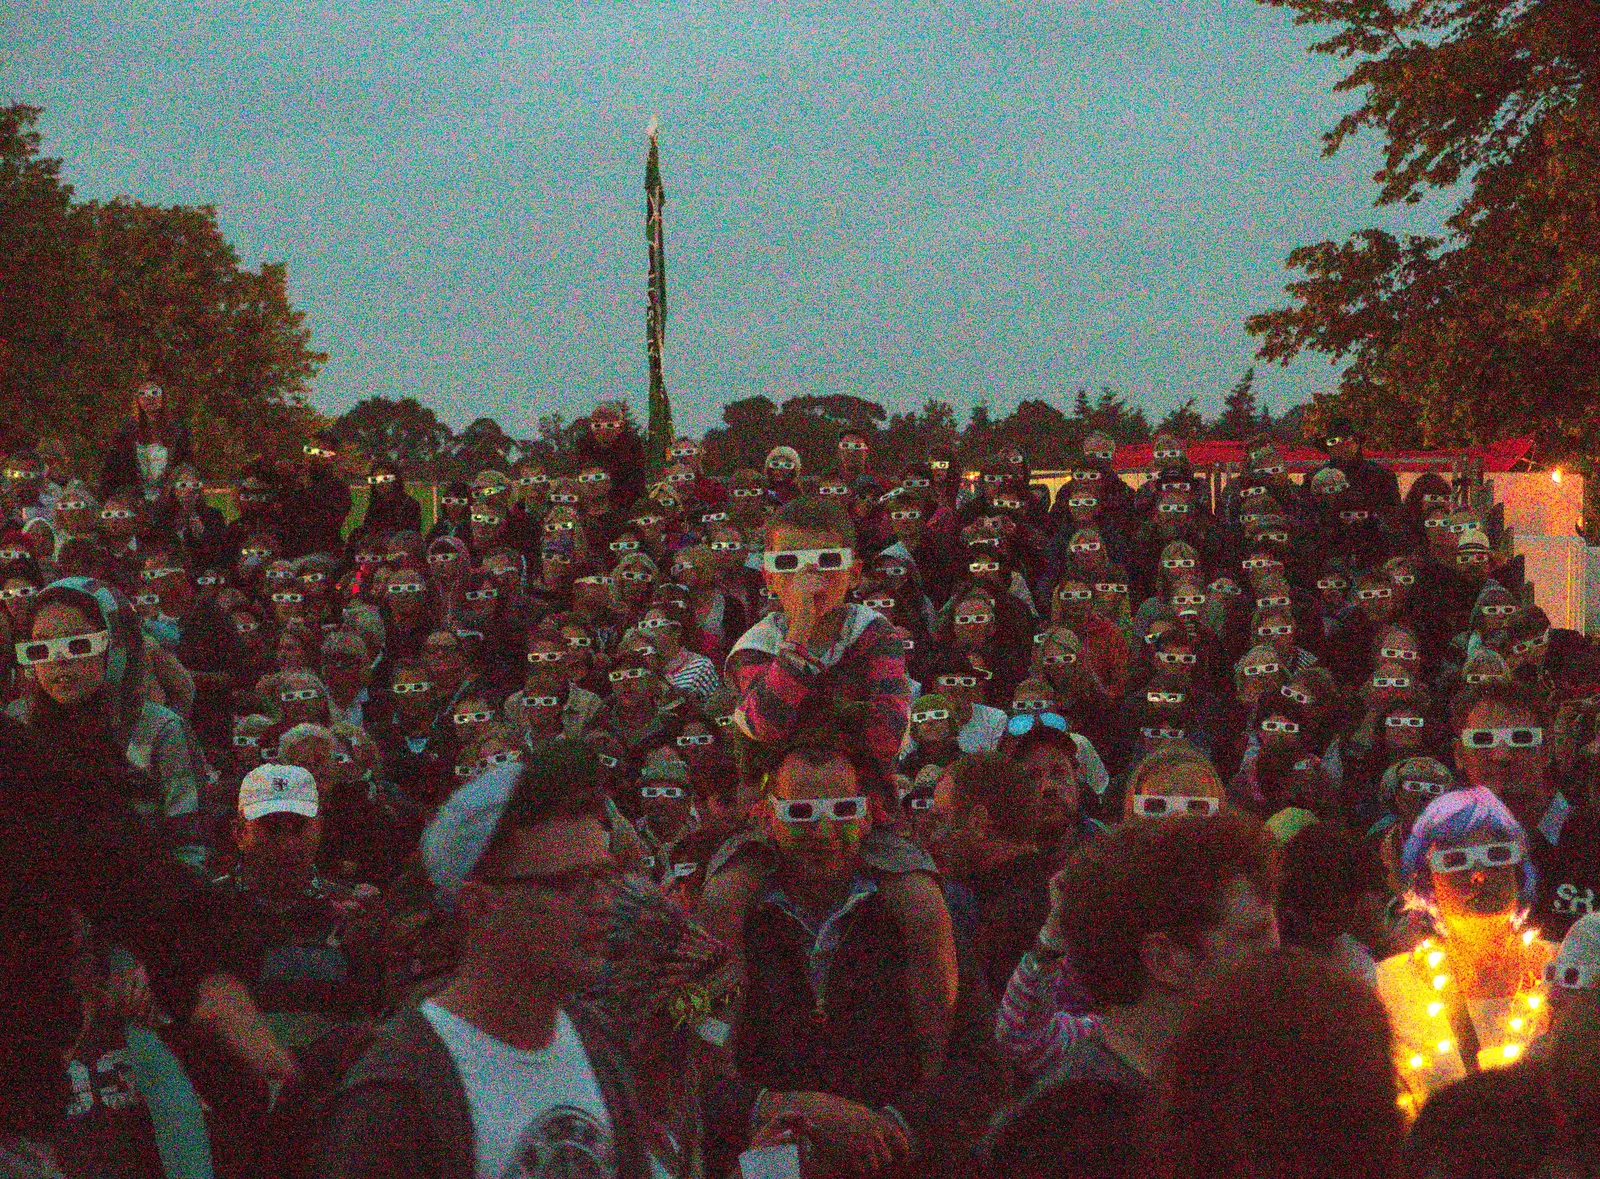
(272, 790)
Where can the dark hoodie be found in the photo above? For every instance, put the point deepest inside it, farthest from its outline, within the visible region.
(68, 840)
(623, 460)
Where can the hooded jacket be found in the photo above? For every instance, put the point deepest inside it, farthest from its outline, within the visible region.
(161, 767)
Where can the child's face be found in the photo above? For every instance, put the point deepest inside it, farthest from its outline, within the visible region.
(826, 590)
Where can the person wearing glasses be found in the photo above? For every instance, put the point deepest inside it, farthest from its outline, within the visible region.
(124, 528)
(1472, 996)
(986, 841)
(316, 500)
(834, 1026)
(207, 646)
(416, 756)
(1503, 743)
(87, 694)
(256, 495)
(1282, 734)
(147, 444)
(506, 1070)
(1173, 780)
(187, 519)
(1144, 918)
(1373, 483)
(685, 669)
(22, 488)
(612, 443)
(819, 649)
(389, 508)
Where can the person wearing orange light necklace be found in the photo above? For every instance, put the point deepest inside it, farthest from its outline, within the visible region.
(1472, 997)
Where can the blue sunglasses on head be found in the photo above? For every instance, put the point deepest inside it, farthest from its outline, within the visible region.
(1026, 722)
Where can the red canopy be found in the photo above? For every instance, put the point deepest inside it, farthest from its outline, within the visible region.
(1498, 457)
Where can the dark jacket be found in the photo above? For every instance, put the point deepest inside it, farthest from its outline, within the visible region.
(395, 511)
(862, 1045)
(75, 841)
(122, 460)
(402, 1113)
(623, 460)
(314, 513)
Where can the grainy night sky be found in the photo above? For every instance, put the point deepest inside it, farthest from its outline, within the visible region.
(974, 200)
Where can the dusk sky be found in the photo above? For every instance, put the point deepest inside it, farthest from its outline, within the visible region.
(976, 201)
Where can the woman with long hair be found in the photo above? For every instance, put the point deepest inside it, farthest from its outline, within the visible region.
(88, 695)
(152, 441)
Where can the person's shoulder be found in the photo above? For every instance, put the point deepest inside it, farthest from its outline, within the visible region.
(17, 744)
(1081, 1127)
(1089, 1059)
(867, 627)
(403, 1051)
(761, 640)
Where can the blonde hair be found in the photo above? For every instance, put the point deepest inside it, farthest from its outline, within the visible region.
(1170, 756)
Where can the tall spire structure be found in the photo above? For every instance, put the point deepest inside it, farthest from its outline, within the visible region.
(655, 200)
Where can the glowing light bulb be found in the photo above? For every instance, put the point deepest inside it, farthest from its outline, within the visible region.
(1512, 1051)
(1444, 1046)
(1439, 981)
(1533, 1002)
(1434, 959)
(1528, 936)
(1434, 1009)
(1516, 1025)
(1416, 1062)
(1555, 475)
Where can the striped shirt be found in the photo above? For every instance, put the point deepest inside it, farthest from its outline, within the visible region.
(693, 673)
(779, 683)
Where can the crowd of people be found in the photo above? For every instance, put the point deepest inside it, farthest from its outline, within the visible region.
(632, 821)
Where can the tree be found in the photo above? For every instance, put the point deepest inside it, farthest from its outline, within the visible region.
(1112, 415)
(1490, 329)
(405, 432)
(1184, 422)
(1239, 418)
(1041, 432)
(749, 430)
(841, 411)
(482, 446)
(95, 298)
(556, 442)
(49, 333)
(911, 437)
